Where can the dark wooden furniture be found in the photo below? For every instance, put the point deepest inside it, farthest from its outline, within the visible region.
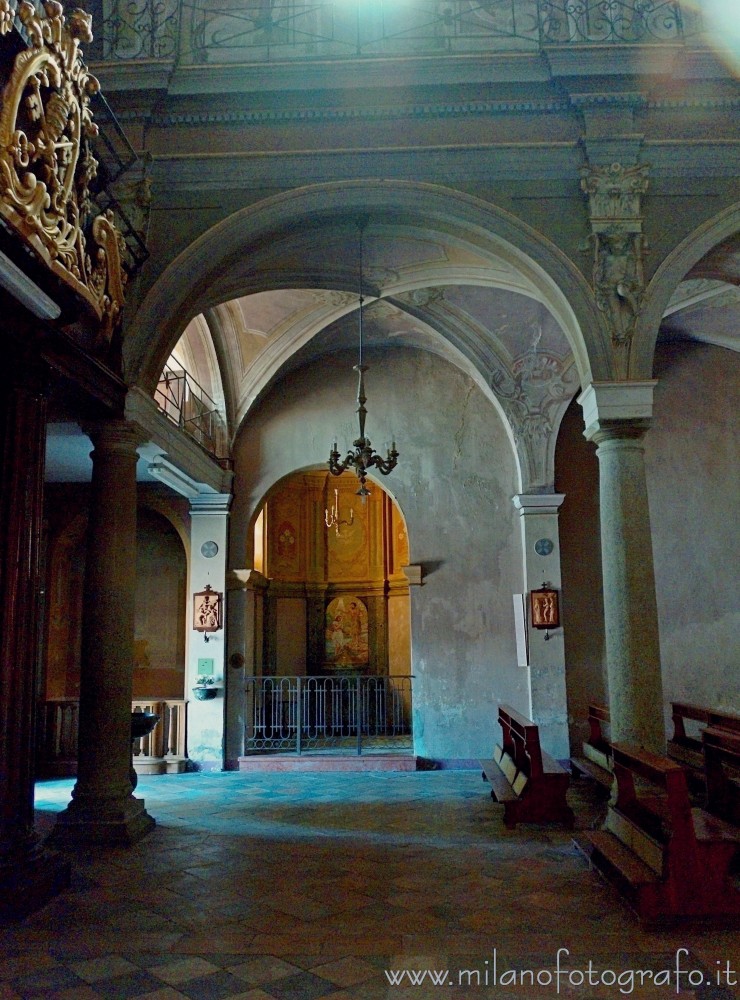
(530, 783)
(688, 749)
(722, 773)
(669, 861)
(595, 761)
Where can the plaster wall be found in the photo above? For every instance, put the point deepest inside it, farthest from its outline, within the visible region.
(693, 458)
(159, 641)
(454, 482)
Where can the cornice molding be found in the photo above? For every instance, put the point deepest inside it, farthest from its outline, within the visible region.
(454, 109)
(422, 112)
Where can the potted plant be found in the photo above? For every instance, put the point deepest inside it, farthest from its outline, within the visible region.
(205, 688)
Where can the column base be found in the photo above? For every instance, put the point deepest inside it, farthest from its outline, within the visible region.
(27, 884)
(119, 824)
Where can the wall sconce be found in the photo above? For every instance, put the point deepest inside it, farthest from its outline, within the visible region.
(207, 608)
(545, 609)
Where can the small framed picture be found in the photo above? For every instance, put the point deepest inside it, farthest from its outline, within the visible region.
(207, 610)
(545, 608)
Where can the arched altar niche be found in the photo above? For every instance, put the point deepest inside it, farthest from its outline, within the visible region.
(337, 599)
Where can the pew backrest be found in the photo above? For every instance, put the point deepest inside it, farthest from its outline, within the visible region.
(722, 772)
(521, 741)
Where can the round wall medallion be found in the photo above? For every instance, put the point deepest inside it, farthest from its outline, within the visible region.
(543, 546)
(209, 549)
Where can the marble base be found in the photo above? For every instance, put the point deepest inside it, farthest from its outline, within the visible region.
(124, 825)
(325, 763)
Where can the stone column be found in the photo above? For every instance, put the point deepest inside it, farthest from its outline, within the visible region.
(538, 517)
(103, 809)
(617, 415)
(29, 875)
(209, 522)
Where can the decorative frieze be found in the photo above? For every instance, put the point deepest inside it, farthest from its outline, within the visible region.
(46, 163)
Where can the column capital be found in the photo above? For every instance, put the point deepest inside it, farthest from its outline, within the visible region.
(210, 503)
(538, 503)
(114, 436)
(617, 409)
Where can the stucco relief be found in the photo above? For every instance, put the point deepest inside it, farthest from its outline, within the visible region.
(532, 392)
(614, 195)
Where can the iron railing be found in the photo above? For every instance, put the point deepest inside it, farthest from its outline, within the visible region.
(616, 22)
(187, 404)
(357, 714)
(248, 31)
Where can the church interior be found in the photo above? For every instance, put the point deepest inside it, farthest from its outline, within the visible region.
(369, 428)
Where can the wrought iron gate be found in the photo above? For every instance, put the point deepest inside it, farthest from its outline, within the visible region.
(356, 714)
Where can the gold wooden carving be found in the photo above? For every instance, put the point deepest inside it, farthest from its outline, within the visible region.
(46, 164)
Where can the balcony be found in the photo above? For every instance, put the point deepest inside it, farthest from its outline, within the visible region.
(186, 403)
(268, 31)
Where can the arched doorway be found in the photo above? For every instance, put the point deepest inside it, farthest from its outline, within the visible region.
(159, 644)
(336, 635)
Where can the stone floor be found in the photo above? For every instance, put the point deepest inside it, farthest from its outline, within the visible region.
(304, 886)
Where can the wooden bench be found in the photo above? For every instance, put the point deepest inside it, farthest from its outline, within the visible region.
(669, 861)
(596, 758)
(530, 783)
(687, 749)
(722, 773)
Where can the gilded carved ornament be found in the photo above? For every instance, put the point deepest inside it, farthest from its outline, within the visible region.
(46, 164)
(614, 194)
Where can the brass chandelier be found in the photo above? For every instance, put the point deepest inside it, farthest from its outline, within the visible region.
(363, 456)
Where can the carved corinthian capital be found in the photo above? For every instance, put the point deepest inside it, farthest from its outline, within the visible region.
(46, 164)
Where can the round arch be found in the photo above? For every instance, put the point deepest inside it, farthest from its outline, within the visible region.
(285, 478)
(325, 580)
(667, 277)
(201, 271)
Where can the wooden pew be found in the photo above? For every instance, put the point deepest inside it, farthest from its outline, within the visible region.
(596, 759)
(722, 773)
(530, 783)
(687, 749)
(669, 861)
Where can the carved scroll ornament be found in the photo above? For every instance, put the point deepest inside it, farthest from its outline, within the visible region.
(46, 164)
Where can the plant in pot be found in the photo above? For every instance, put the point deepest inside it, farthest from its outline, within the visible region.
(205, 688)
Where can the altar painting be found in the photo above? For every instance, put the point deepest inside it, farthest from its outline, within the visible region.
(347, 643)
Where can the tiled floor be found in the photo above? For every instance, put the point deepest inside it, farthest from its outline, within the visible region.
(304, 886)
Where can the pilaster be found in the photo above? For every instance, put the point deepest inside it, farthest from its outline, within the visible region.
(209, 517)
(244, 630)
(617, 415)
(538, 519)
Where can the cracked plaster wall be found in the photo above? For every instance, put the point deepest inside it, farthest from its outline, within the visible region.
(454, 483)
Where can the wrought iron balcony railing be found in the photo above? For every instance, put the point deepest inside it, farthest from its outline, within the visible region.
(187, 404)
(249, 31)
(357, 714)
